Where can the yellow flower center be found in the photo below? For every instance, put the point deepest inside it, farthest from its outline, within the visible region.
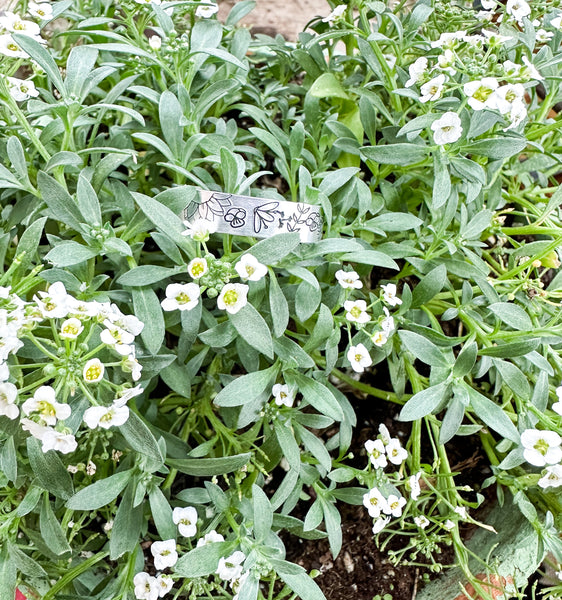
(231, 297)
(93, 373)
(182, 298)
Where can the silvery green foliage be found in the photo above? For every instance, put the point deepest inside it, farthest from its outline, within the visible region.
(168, 394)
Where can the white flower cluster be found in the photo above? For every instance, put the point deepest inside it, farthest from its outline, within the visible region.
(543, 448)
(44, 414)
(381, 451)
(11, 23)
(165, 555)
(358, 315)
(233, 296)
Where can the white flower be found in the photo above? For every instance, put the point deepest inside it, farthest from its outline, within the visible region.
(233, 297)
(158, 2)
(21, 89)
(394, 505)
(359, 358)
(529, 71)
(106, 416)
(517, 114)
(56, 440)
(54, 302)
(200, 229)
(129, 323)
(164, 553)
(449, 39)
(446, 61)
(248, 267)
(197, 268)
(379, 338)
(164, 584)
(132, 365)
(117, 338)
(384, 434)
(494, 38)
(552, 477)
(40, 10)
(541, 447)
(380, 524)
(45, 405)
(433, 89)
(422, 521)
(396, 454)
(518, 9)
(377, 456)
(181, 296)
(210, 538)
(126, 394)
(4, 371)
(356, 311)
(93, 371)
(556, 22)
(204, 11)
(186, 520)
(282, 395)
(9, 344)
(231, 568)
(145, 587)
(71, 329)
(8, 395)
(489, 4)
(479, 92)
(375, 502)
(91, 468)
(14, 23)
(417, 71)
(448, 525)
(544, 36)
(389, 292)
(155, 42)
(387, 323)
(349, 279)
(335, 15)
(503, 98)
(236, 584)
(414, 483)
(8, 47)
(462, 512)
(511, 69)
(36, 430)
(447, 129)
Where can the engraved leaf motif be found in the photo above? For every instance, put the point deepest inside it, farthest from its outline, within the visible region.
(264, 215)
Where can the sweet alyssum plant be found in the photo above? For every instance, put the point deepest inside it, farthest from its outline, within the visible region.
(170, 395)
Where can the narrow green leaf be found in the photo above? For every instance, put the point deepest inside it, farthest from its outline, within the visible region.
(140, 438)
(126, 525)
(202, 561)
(49, 470)
(423, 349)
(162, 514)
(317, 395)
(51, 530)
(424, 403)
(512, 315)
(298, 580)
(42, 57)
(492, 415)
(59, 202)
(209, 467)
(279, 307)
(148, 310)
(88, 202)
(401, 155)
(100, 493)
(8, 459)
(68, 253)
(263, 513)
(246, 388)
(430, 285)
(253, 328)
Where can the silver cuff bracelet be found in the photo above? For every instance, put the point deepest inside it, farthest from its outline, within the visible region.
(256, 217)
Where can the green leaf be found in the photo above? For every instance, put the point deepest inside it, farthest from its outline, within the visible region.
(307, 299)
(140, 438)
(273, 250)
(297, 579)
(61, 205)
(279, 307)
(162, 514)
(371, 257)
(465, 360)
(68, 253)
(42, 57)
(316, 394)
(288, 444)
(209, 467)
(332, 518)
(162, 217)
(171, 114)
(289, 351)
(25, 564)
(395, 221)
(401, 154)
(246, 388)
(88, 202)
(511, 349)
(452, 420)
(263, 513)
(100, 493)
(315, 446)
(9, 460)
(51, 530)
(17, 158)
(429, 286)
(126, 525)
(253, 329)
(492, 415)
(512, 315)
(202, 561)
(147, 308)
(81, 61)
(29, 242)
(513, 378)
(8, 575)
(442, 182)
(424, 403)
(327, 86)
(322, 331)
(423, 349)
(497, 148)
(49, 470)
